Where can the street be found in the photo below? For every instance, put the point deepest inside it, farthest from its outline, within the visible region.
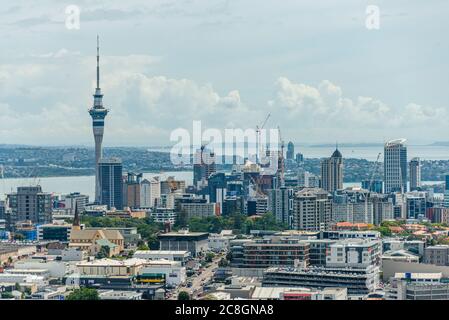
(198, 281)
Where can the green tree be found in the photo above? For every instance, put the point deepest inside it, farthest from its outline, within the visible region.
(19, 237)
(103, 253)
(143, 246)
(183, 295)
(83, 294)
(181, 219)
(223, 262)
(209, 257)
(384, 231)
(7, 295)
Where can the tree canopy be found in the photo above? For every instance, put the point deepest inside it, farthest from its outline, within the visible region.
(183, 295)
(83, 294)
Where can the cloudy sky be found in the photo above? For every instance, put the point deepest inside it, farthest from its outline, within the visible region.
(314, 65)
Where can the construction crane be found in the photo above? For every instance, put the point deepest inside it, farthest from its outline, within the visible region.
(173, 185)
(256, 186)
(370, 183)
(281, 157)
(374, 170)
(258, 129)
(202, 148)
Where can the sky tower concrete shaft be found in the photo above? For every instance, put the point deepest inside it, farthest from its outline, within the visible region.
(98, 114)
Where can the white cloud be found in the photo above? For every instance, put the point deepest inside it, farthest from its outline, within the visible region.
(143, 108)
(46, 102)
(58, 54)
(323, 111)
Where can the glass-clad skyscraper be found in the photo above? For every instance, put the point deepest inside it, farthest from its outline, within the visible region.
(111, 183)
(395, 166)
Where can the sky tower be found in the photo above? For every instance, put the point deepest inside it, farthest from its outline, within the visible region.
(98, 113)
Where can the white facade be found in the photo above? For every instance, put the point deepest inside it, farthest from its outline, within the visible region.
(74, 199)
(395, 166)
(219, 242)
(354, 253)
(150, 193)
(312, 210)
(360, 212)
(175, 274)
(55, 269)
(415, 174)
(363, 212)
(40, 281)
(163, 215)
(180, 256)
(73, 254)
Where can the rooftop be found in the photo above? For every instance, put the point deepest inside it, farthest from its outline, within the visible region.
(111, 262)
(420, 275)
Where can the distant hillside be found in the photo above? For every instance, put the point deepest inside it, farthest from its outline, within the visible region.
(440, 144)
(346, 145)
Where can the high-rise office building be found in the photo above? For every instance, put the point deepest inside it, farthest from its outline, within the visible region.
(203, 167)
(290, 151)
(312, 209)
(416, 205)
(374, 185)
(2, 210)
(415, 174)
(299, 158)
(111, 183)
(217, 190)
(280, 204)
(98, 113)
(171, 185)
(332, 172)
(131, 190)
(30, 204)
(70, 201)
(150, 193)
(446, 191)
(395, 166)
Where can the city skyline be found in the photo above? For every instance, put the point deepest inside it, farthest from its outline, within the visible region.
(156, 84)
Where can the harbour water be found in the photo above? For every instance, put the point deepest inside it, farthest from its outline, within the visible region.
(82, 184)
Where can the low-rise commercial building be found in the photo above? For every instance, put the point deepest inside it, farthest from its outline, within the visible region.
(54, 231)
(354, 253)
(308, 294)
(164, 215)
(418, 286)
(110, 267)
(358, 281)
(119, 295)
(193, 242)
(345, 234)
(437, 255)
(220, 242)
(178, 256)
(400, 255)
(173, 271)
(275, 251)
